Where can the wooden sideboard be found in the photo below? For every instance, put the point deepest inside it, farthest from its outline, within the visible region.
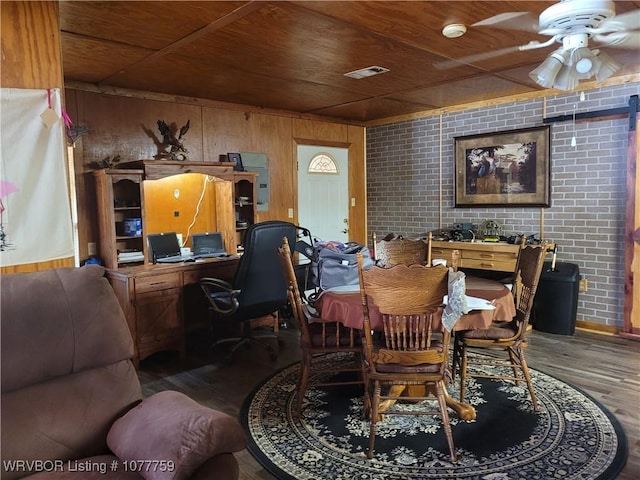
(499, 256)
(152, 297)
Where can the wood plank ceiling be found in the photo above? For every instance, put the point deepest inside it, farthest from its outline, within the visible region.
(293, 55)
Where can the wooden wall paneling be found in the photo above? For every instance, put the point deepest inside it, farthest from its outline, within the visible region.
(225, 215)
(270, 135)
(318, 130)
(113, 130)
(233, 131)
(31, 58)
(128, 126)
(357, 184)
(224, 131)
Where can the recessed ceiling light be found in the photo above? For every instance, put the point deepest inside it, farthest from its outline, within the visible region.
(366, 72)
(454, 30)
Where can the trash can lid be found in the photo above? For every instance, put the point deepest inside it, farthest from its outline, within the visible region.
(564, 272)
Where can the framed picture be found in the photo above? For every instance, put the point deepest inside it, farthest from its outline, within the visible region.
(503, 169)
(237, 159)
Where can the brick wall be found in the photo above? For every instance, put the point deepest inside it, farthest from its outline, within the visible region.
(410, 163)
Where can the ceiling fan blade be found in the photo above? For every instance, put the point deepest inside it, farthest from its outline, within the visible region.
(474, 58)
(511, 21)
(624, 21)
(620, 40)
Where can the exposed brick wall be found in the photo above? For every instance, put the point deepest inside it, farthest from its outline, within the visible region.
(409, 162)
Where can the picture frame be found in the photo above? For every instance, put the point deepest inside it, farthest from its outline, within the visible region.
(237, 159)
(503, 169)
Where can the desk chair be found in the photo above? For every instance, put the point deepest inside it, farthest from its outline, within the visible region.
(415, 351)
(320, 338)
(257, 290)
(508, 337)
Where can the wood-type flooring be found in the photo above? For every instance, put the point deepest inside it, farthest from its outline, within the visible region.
(606, 367)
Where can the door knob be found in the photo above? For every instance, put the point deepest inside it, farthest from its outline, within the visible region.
(345, 231)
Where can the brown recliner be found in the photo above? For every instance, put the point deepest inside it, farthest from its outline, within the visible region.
(71, 400)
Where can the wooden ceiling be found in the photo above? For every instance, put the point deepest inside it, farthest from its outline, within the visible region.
(292, 56)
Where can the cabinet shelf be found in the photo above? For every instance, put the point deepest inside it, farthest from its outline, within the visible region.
(122, 238)
(244, 187)
(120, 197)
(126, 209)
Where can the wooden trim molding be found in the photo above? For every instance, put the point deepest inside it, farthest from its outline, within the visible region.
(501, 101)
(597, 327)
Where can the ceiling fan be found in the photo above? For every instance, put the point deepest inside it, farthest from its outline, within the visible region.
(572, 23)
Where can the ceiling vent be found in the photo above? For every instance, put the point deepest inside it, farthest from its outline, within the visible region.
(366, 72)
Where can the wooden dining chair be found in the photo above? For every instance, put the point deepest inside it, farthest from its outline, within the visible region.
(415, 350)
(320, 337)
(508, 337)
(388, 253)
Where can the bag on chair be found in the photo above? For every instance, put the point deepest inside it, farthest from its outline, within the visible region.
(334, 265)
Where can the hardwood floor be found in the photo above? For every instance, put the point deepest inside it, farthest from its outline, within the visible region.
(606, 367)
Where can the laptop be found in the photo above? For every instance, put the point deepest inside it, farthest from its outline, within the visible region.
(165, 248)
(208, 245)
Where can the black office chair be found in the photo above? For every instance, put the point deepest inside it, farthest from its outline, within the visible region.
(258, 288)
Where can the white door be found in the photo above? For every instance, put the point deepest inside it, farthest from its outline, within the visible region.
(323, 191)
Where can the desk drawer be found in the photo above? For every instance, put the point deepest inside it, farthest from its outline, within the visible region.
(223, 270)
(158, 282)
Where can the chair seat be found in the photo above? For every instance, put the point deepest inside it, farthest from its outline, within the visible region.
(499, 330)
(223, 299)
(323, 334)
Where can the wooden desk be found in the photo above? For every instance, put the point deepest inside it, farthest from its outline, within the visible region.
(152, 299)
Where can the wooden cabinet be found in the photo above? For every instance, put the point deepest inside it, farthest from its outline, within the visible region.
(120, 201)
(158, 312)
(479, 255)
(245, 194)
(152, 298)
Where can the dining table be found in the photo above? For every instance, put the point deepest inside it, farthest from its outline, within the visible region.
(345, 306)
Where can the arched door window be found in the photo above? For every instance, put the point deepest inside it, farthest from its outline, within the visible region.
(323, 163)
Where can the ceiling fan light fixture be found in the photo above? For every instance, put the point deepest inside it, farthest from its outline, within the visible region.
(584, 61)
(584, 65)
(608, 66)
(566, 79)
(454, 30)
(545, 74)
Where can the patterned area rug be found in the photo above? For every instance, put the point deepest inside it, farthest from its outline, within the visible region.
(572, 437)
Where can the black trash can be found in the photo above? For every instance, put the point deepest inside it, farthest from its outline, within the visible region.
(556, 301)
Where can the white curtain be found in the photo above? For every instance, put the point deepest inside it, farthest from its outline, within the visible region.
(35, 208)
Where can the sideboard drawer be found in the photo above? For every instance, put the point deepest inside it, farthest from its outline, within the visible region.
(158, 282)
(488, 264)
(442, 253)
(498, 256)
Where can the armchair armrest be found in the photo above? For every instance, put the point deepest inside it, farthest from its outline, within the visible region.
(175, 431)
(221, 295)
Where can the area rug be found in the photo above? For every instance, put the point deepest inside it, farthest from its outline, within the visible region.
(571, 437)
